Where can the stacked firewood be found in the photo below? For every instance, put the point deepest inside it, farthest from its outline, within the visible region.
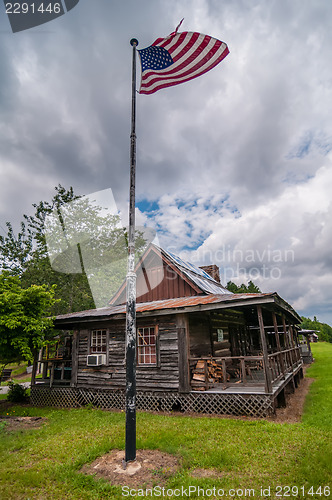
(213, 374)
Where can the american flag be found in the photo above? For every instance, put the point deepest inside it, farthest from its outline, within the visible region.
(178, 58)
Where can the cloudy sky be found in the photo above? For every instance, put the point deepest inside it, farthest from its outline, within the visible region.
(233, 168)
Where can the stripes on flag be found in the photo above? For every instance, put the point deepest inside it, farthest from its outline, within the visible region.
(178, 58)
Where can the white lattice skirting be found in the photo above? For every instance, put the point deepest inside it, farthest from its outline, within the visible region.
(218, 404)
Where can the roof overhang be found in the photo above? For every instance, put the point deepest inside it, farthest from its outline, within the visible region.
(179, 305)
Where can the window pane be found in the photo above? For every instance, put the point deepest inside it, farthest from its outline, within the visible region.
(146, 342)
(98, 341)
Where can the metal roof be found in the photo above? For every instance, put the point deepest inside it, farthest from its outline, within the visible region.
(172, 306)
(197, 278)
(197, 275)
(186, 265)
(207, 285)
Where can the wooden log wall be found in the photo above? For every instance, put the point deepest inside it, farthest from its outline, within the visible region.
(164, 377)
(219, 325)
(216, 334)
(200, 335)
(232, 325)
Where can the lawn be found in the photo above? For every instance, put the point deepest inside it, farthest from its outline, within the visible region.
(18, 374)
(44, 463)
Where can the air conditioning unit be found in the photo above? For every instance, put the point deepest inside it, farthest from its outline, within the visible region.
(96, 359)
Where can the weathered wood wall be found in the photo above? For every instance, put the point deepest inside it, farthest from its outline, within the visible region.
(113, 376)
(220, 322)
(206, 330)
(156, 280)
(200, 335)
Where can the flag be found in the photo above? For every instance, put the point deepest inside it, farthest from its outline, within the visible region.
(178, 58)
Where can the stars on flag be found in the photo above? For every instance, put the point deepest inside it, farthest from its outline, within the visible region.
(155, 58)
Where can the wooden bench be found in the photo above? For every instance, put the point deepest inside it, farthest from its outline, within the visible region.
(6, 374)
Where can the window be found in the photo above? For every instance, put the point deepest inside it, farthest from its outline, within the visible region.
(147, 346)
(98, 341)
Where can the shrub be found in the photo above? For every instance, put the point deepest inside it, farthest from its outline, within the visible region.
(17, 393)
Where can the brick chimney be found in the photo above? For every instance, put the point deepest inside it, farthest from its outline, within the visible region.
(213, 271)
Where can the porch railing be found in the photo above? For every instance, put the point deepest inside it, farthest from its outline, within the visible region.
(284, 362)
(54, 372)
(209, 372)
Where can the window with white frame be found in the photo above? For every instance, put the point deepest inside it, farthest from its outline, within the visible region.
(147, 345)
(98, 341)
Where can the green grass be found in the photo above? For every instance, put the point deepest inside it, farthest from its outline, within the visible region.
(17, 371)
(318, 408)
(43, 463)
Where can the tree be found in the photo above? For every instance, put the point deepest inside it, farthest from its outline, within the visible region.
(25, 255)
(325, 330)
(72, 243)
(24, 327)
(250, 288)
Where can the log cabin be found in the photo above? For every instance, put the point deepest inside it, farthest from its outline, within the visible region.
(200, 348)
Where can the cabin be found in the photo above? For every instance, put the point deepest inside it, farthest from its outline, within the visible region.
(305, 339)
(200, 348)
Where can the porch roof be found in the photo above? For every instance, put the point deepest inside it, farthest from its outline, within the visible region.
(177, 305)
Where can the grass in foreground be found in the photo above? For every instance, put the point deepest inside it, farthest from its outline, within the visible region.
(44, 463)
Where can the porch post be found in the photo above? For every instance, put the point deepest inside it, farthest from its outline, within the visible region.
(183, 347)
(287, 342)
(290, 328)
(275, 326)
(268, 382)
(308, 342)
(34, 370)
(74, 359)
(296, 343)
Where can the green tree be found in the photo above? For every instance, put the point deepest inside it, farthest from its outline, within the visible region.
(72, 243)
(24, 327)
(324, 330)
(249, 288)
(26, 255)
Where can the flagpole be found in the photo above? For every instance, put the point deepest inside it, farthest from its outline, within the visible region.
(130, 446)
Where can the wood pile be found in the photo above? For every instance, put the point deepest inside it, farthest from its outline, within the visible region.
(234, 371)
(207, 374)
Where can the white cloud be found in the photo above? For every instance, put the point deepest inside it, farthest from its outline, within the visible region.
(236, 158)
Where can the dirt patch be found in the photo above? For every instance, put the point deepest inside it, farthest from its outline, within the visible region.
(293, 412)
(203, 473)
(21, 423)
(151, 467)
(295, 403)
(22, 375)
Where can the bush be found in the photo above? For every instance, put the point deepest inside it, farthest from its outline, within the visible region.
(17, 393)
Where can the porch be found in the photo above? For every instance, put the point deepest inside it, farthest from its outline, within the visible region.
(54, 365)
(245, 374)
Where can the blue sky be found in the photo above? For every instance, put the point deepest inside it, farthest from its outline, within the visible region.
(231, 167)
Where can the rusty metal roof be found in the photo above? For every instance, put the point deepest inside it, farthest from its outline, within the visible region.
(172, 306)
(201, 278)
